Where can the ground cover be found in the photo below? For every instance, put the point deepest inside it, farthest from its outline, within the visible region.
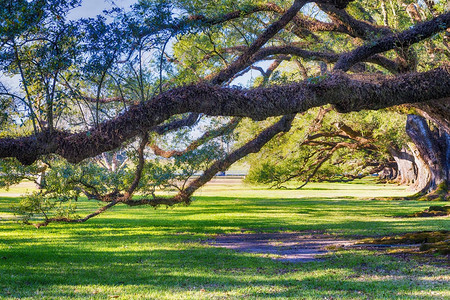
(142, 253)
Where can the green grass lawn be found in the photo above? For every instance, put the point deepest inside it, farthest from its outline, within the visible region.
(142, 253)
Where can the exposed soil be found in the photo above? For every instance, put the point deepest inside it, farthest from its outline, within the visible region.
(310, 246)
(290, 247)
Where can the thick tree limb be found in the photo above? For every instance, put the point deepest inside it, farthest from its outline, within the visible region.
(404, 39)
(304, 25)
(345, 23)
(346, 92)
(294, 50)
(255, 145)
(328, 57)
(240, 63)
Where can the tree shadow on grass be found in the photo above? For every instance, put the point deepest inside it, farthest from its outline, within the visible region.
(217, 215)
(154, 252)
(60, 272)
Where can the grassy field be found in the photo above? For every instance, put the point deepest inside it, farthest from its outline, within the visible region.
(142, 253)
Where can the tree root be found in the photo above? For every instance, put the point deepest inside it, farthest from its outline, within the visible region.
(430, 241)
(432, 211)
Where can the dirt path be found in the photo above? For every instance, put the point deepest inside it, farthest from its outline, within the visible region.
(290, 247)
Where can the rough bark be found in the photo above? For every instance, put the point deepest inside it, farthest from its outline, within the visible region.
(407, 171)
(189, 120)
(431, 149)
(404, 39)
(423, 172)
(436, 111)
(346, 92)
(240, 63)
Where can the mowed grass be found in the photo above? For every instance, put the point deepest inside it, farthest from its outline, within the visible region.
(142, 253)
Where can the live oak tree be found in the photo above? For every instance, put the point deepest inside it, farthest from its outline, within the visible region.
(91, 90)
(326, 146)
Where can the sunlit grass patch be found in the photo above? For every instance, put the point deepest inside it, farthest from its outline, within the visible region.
(143, 253)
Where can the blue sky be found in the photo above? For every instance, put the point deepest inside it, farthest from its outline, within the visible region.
(91, 8)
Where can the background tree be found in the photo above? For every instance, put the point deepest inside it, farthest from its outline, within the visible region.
(117, 82)
(326, 146)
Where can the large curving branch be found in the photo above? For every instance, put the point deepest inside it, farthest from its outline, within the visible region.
(345, 23)
(406, 38)
(240, 63)
(303, 23)
(253, 146)
(294, 50)
(68, 220)
(184, 196)
(328, 57)
(346, 92)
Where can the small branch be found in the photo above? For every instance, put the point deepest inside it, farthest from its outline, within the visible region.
(203, 139)
(139, 167)
(68, 220)
(105, 100)
(319, 163)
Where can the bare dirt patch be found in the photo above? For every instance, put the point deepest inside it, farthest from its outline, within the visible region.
(290, 247)
(311, 246)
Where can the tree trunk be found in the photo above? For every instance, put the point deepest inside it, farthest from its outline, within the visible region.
(423, 175)
(388, 173)
(431, 148)
(407, 171)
